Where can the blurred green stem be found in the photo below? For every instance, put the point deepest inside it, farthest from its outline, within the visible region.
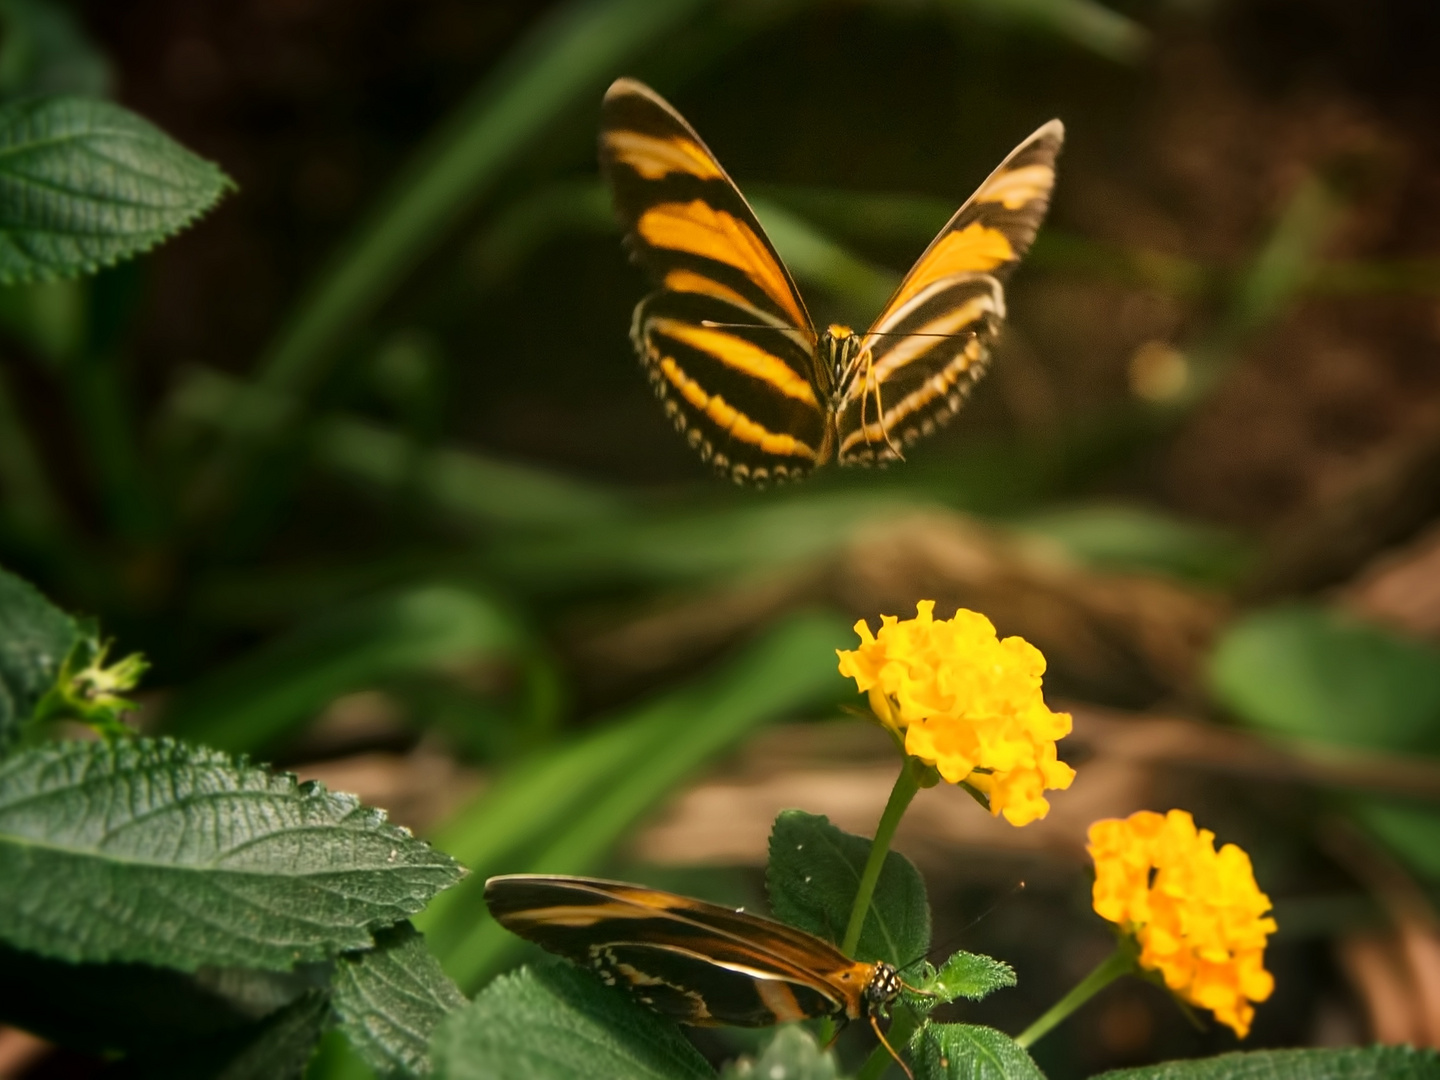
(906, 785)
(1118, 963)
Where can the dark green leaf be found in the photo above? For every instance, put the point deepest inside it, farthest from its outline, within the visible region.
(276, 1048)
(390, 1000)
(556, 1022)
(1351, 1063)
(45, 51)
(968, 975)
(102, 1008)
(1411, 830)
(970, 1052)
(814, 872)
(84, 184)
(426, 629)
(35, 639)
(793, 1054)
(1308, 673)
(179, 856)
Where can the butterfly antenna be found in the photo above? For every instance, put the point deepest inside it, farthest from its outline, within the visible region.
(874, 1023)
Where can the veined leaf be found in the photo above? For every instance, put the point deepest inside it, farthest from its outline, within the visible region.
(969, 975)
(84, 184)
(391, 998)
(556, 1022)
(1350, 1063)
(179, 856)
(35, 639)
(970, 1052)
(814, 873)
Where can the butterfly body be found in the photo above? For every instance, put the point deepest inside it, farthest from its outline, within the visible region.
(728, 343)
(696, 962)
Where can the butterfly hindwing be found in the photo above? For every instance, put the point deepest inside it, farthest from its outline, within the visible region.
(738, 396)
(697, 962)
(955, 288)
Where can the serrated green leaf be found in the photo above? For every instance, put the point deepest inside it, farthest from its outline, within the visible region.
(970, 1052)
(35, 639)
(793, 1054)
(108, 1008)
(812, 878)
(556, 1022)
(391, 998)
(1350, 1063)
(168, 854)
(968, 975)
(85, 184)
(276, 1048)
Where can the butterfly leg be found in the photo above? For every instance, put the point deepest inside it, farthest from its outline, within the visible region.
(872, 385)
(874, 1023)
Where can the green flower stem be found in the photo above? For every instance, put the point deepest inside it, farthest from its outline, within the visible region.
(1120, 962)
(906, 785)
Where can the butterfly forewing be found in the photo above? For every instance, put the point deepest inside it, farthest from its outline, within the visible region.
(911, 379)
(739, 397)
(698, 962)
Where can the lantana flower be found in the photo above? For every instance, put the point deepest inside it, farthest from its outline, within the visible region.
(1196, 913)
(967, 703)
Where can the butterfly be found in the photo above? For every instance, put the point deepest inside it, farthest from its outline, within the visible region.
(727, 342)
(695, 962)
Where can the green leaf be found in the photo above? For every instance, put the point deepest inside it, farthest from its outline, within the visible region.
(44, 50)
(814, 872)
(179, 856)
(391, 998)
(261, 697)
(276, 1048)
(35, 639)
(1411, 830)
(970, 1052)
(108, 1008)
(793, 1054)
(1308, 673)
(1351, 1063)
(556, 1022)
(84, 184)
(968, 975)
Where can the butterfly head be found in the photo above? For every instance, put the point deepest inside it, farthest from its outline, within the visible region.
(838, 349)
(884, 987)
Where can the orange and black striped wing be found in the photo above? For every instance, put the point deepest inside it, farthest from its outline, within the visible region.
(932, 341)
(744, 397)
(696, 962)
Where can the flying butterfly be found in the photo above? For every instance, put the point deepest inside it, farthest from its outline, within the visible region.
(695, 962)
(727, 341)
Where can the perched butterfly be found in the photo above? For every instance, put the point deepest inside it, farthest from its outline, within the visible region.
(695, 962)
(727, 341)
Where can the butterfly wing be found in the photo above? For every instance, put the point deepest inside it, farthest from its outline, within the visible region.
(744, 397)
(911, 382)
(698, 962)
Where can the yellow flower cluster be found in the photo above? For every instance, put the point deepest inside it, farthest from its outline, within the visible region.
(967, 703)
(1196, 912)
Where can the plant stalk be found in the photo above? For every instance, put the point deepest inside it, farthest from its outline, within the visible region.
(1120, 962)
(906, 785)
